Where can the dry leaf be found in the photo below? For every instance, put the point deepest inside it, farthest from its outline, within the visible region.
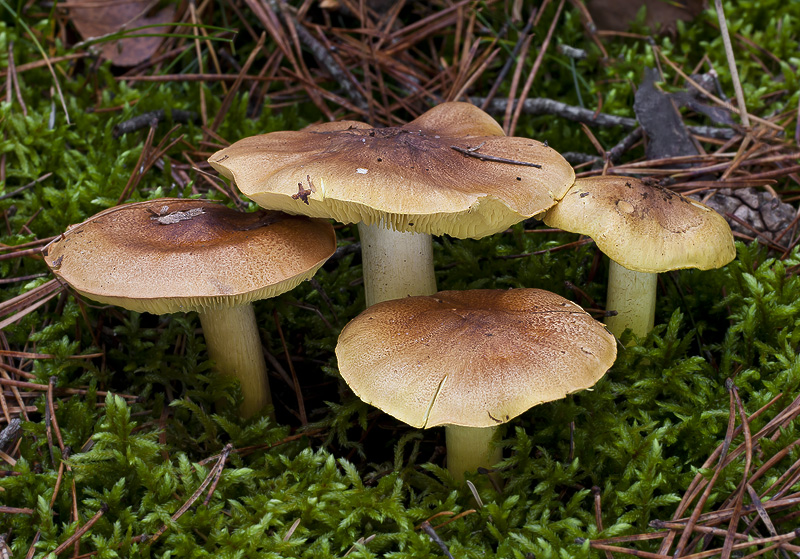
(96, 18)
(661, 14)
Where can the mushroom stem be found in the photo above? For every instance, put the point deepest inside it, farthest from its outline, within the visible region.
(633, 296)
(234, 344)
(469, 448)
(395, 264)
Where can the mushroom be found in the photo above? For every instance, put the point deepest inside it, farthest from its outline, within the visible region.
(471, 360)
(644, 230)
(450, 171)
(176, 255)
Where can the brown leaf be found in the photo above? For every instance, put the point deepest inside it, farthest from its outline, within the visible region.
(617, 16)
(96, 18)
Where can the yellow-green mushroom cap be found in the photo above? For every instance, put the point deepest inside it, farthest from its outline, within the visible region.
(472, 358)
(173, 255)
(644, 228)
(438, 174)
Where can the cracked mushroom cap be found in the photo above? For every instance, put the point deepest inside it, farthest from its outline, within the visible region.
(440, 174)
(172, 255)
(472, 358)
(644, 228)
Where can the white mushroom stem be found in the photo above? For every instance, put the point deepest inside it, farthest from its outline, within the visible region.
(234, 344)
(633, 296)
(395, 264)
(470, 448)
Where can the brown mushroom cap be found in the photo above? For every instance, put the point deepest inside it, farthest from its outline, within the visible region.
(213, 257)
(410, 176)
(644, 228)
(472, 358)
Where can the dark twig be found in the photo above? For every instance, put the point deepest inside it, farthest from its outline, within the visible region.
(578, 158)
(471, 152)
(624, 145)
(146, 119)
(542, 106)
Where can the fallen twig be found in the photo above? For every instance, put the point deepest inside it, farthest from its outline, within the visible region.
(472, 152)
(81, 531)
(146, 119)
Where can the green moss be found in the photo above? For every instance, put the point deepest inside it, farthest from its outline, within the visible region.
(358, 479)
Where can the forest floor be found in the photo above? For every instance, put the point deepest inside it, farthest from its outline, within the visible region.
(117, 438)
